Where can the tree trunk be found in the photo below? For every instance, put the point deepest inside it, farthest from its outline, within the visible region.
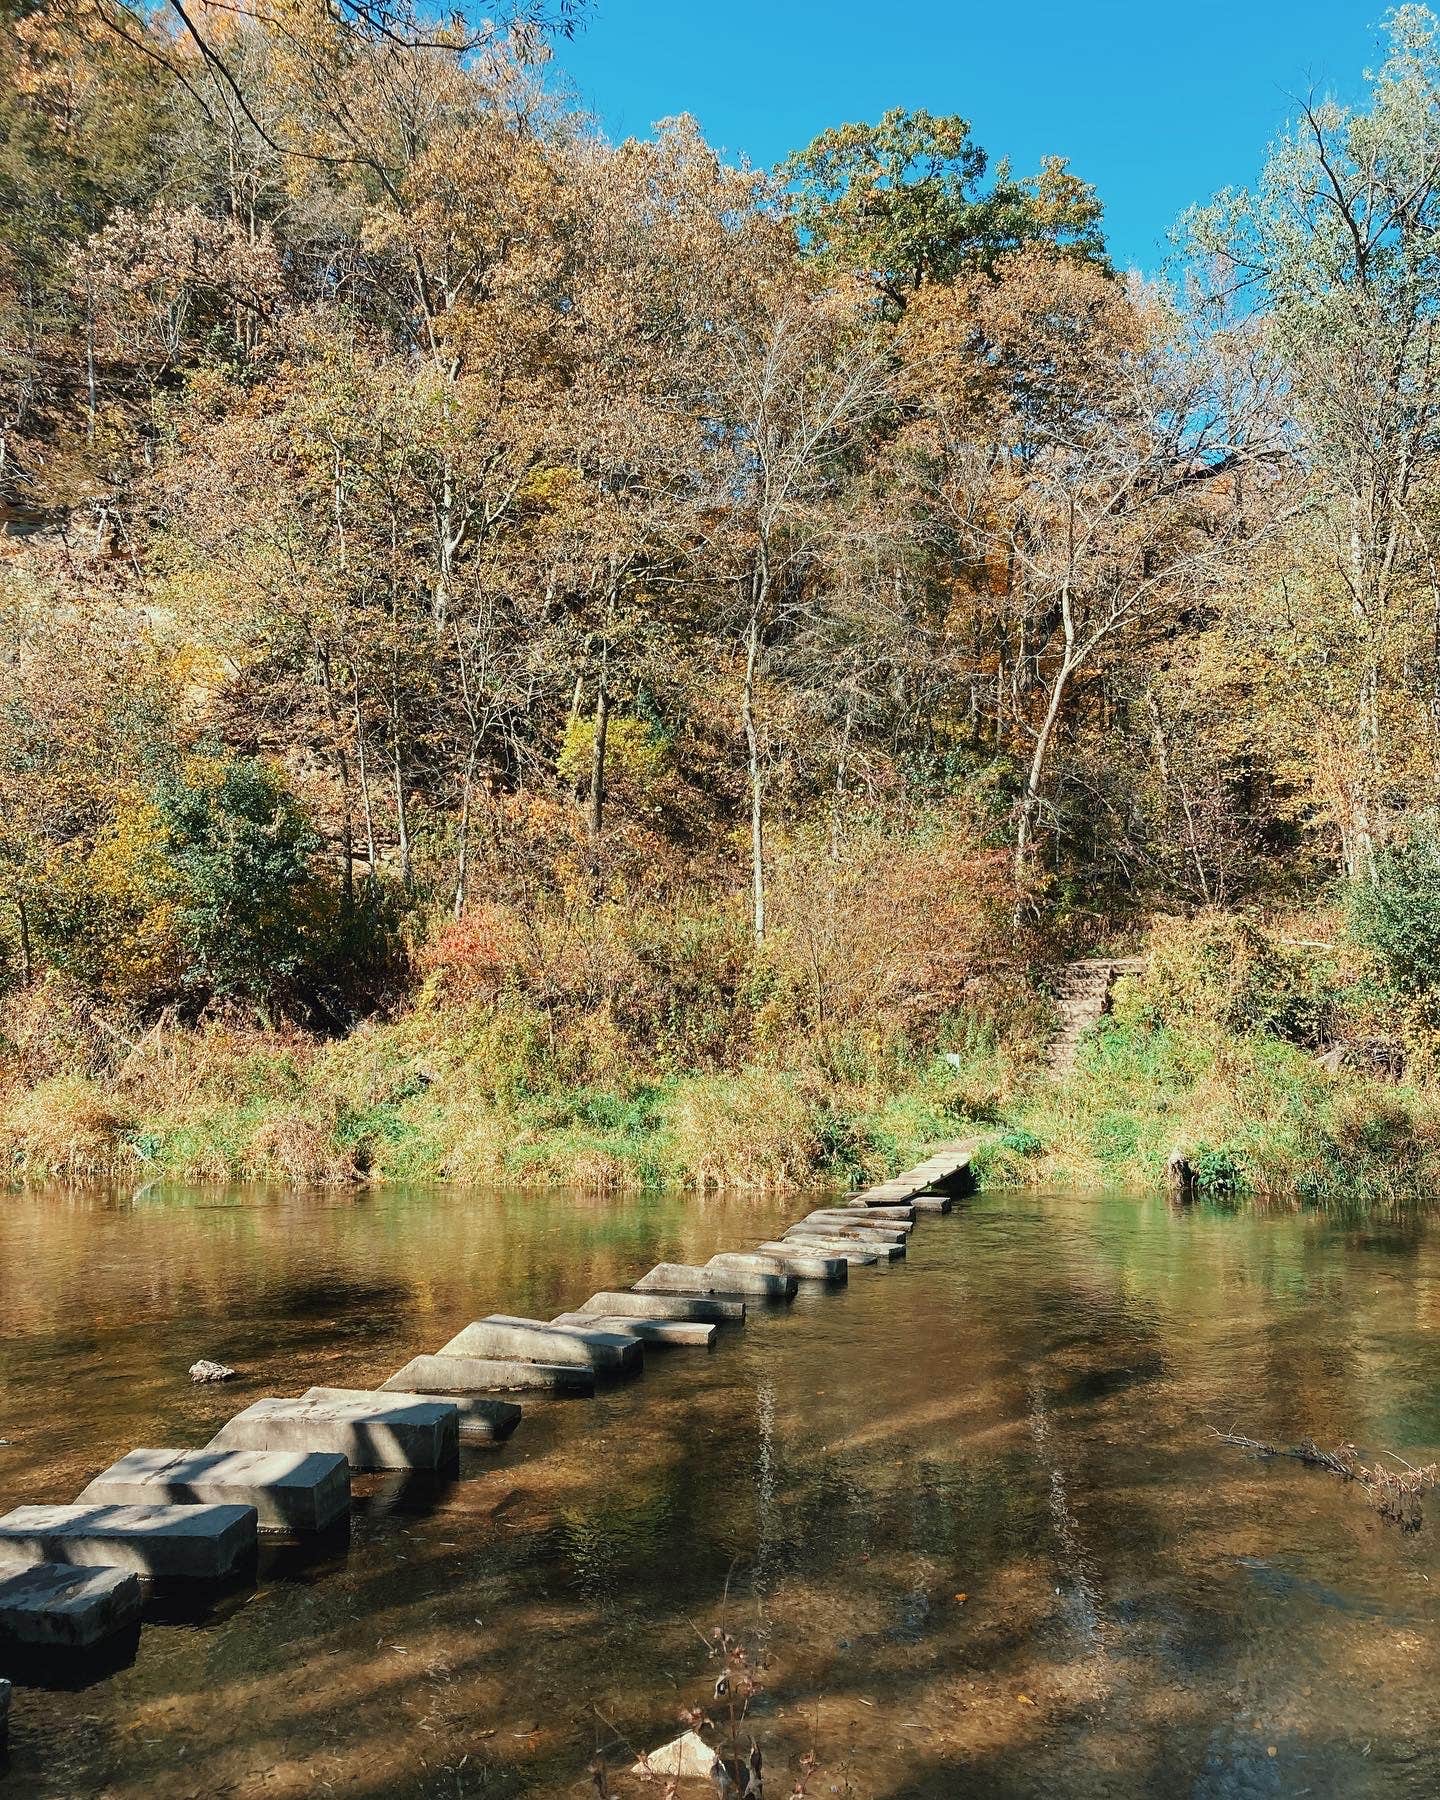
(363, 765)
(27, 954)
(752, 763)
(595, 806)
(462, 866)
(1039, 761)
(342, 763)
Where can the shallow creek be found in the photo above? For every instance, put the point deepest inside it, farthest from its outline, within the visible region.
(968, 1513)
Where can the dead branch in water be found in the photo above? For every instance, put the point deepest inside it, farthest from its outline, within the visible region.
(1395, 1493)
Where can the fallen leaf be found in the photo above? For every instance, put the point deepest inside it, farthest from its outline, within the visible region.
(960, 1599)
(1025, 1700)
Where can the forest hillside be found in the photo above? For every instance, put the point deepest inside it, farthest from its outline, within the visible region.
(533, 658)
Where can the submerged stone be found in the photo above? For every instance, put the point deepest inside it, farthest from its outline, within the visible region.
(211, 1371)
(57, 1606)
(860, 1243)
(706, 1307)
(852, 1253)
(535, 1340)
(804, 1264)
(694, 1334)
(684, 1278)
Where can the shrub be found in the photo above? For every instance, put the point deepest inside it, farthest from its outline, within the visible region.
(240, 849)
(1219, 972)
(1396, 917)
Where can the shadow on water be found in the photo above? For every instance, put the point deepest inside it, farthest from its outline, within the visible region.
(967, 1511)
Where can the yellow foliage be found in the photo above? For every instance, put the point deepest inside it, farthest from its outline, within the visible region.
(632, 753)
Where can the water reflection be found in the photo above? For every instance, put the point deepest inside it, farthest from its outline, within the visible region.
(969, 1507)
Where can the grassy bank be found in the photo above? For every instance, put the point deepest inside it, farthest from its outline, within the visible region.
(1277, 1062)
(1215, 1053)
(1254, 1117)
(457, 1096)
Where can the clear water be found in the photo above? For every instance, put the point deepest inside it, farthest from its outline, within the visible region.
(968, 1515)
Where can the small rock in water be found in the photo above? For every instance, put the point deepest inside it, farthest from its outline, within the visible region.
(210, 1371)
(684, 1756)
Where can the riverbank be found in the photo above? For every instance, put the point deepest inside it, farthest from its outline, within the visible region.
(1274, 1067)
(1273, 1062)
(474, 1097)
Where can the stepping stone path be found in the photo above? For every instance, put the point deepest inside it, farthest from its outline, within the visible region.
(70, 1576)
(372, 1431)
(162, 1543)
(290, 1491)
(56, 1606)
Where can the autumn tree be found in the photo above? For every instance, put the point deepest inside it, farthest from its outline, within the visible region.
(1338, 247)
(1087, 448)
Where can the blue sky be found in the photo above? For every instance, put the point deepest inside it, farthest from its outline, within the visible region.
(1158, 104)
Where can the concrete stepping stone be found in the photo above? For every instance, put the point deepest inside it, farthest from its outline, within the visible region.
(471, 1375)
(853, 1255)
(164, 1543)
(694, 1334)
(60, 1607)
(704, 1308)
(371, 1431)
(290, 1490)
(481, 1421)
(535, 1340)
(932, 1203)
(804, 1264)
(857, 1245)
(750, 1262)
(892, 1213)
(867, 1231)
(951, 1172)
(685, 1278)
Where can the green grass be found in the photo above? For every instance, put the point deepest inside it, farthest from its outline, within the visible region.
(1255, 1117)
